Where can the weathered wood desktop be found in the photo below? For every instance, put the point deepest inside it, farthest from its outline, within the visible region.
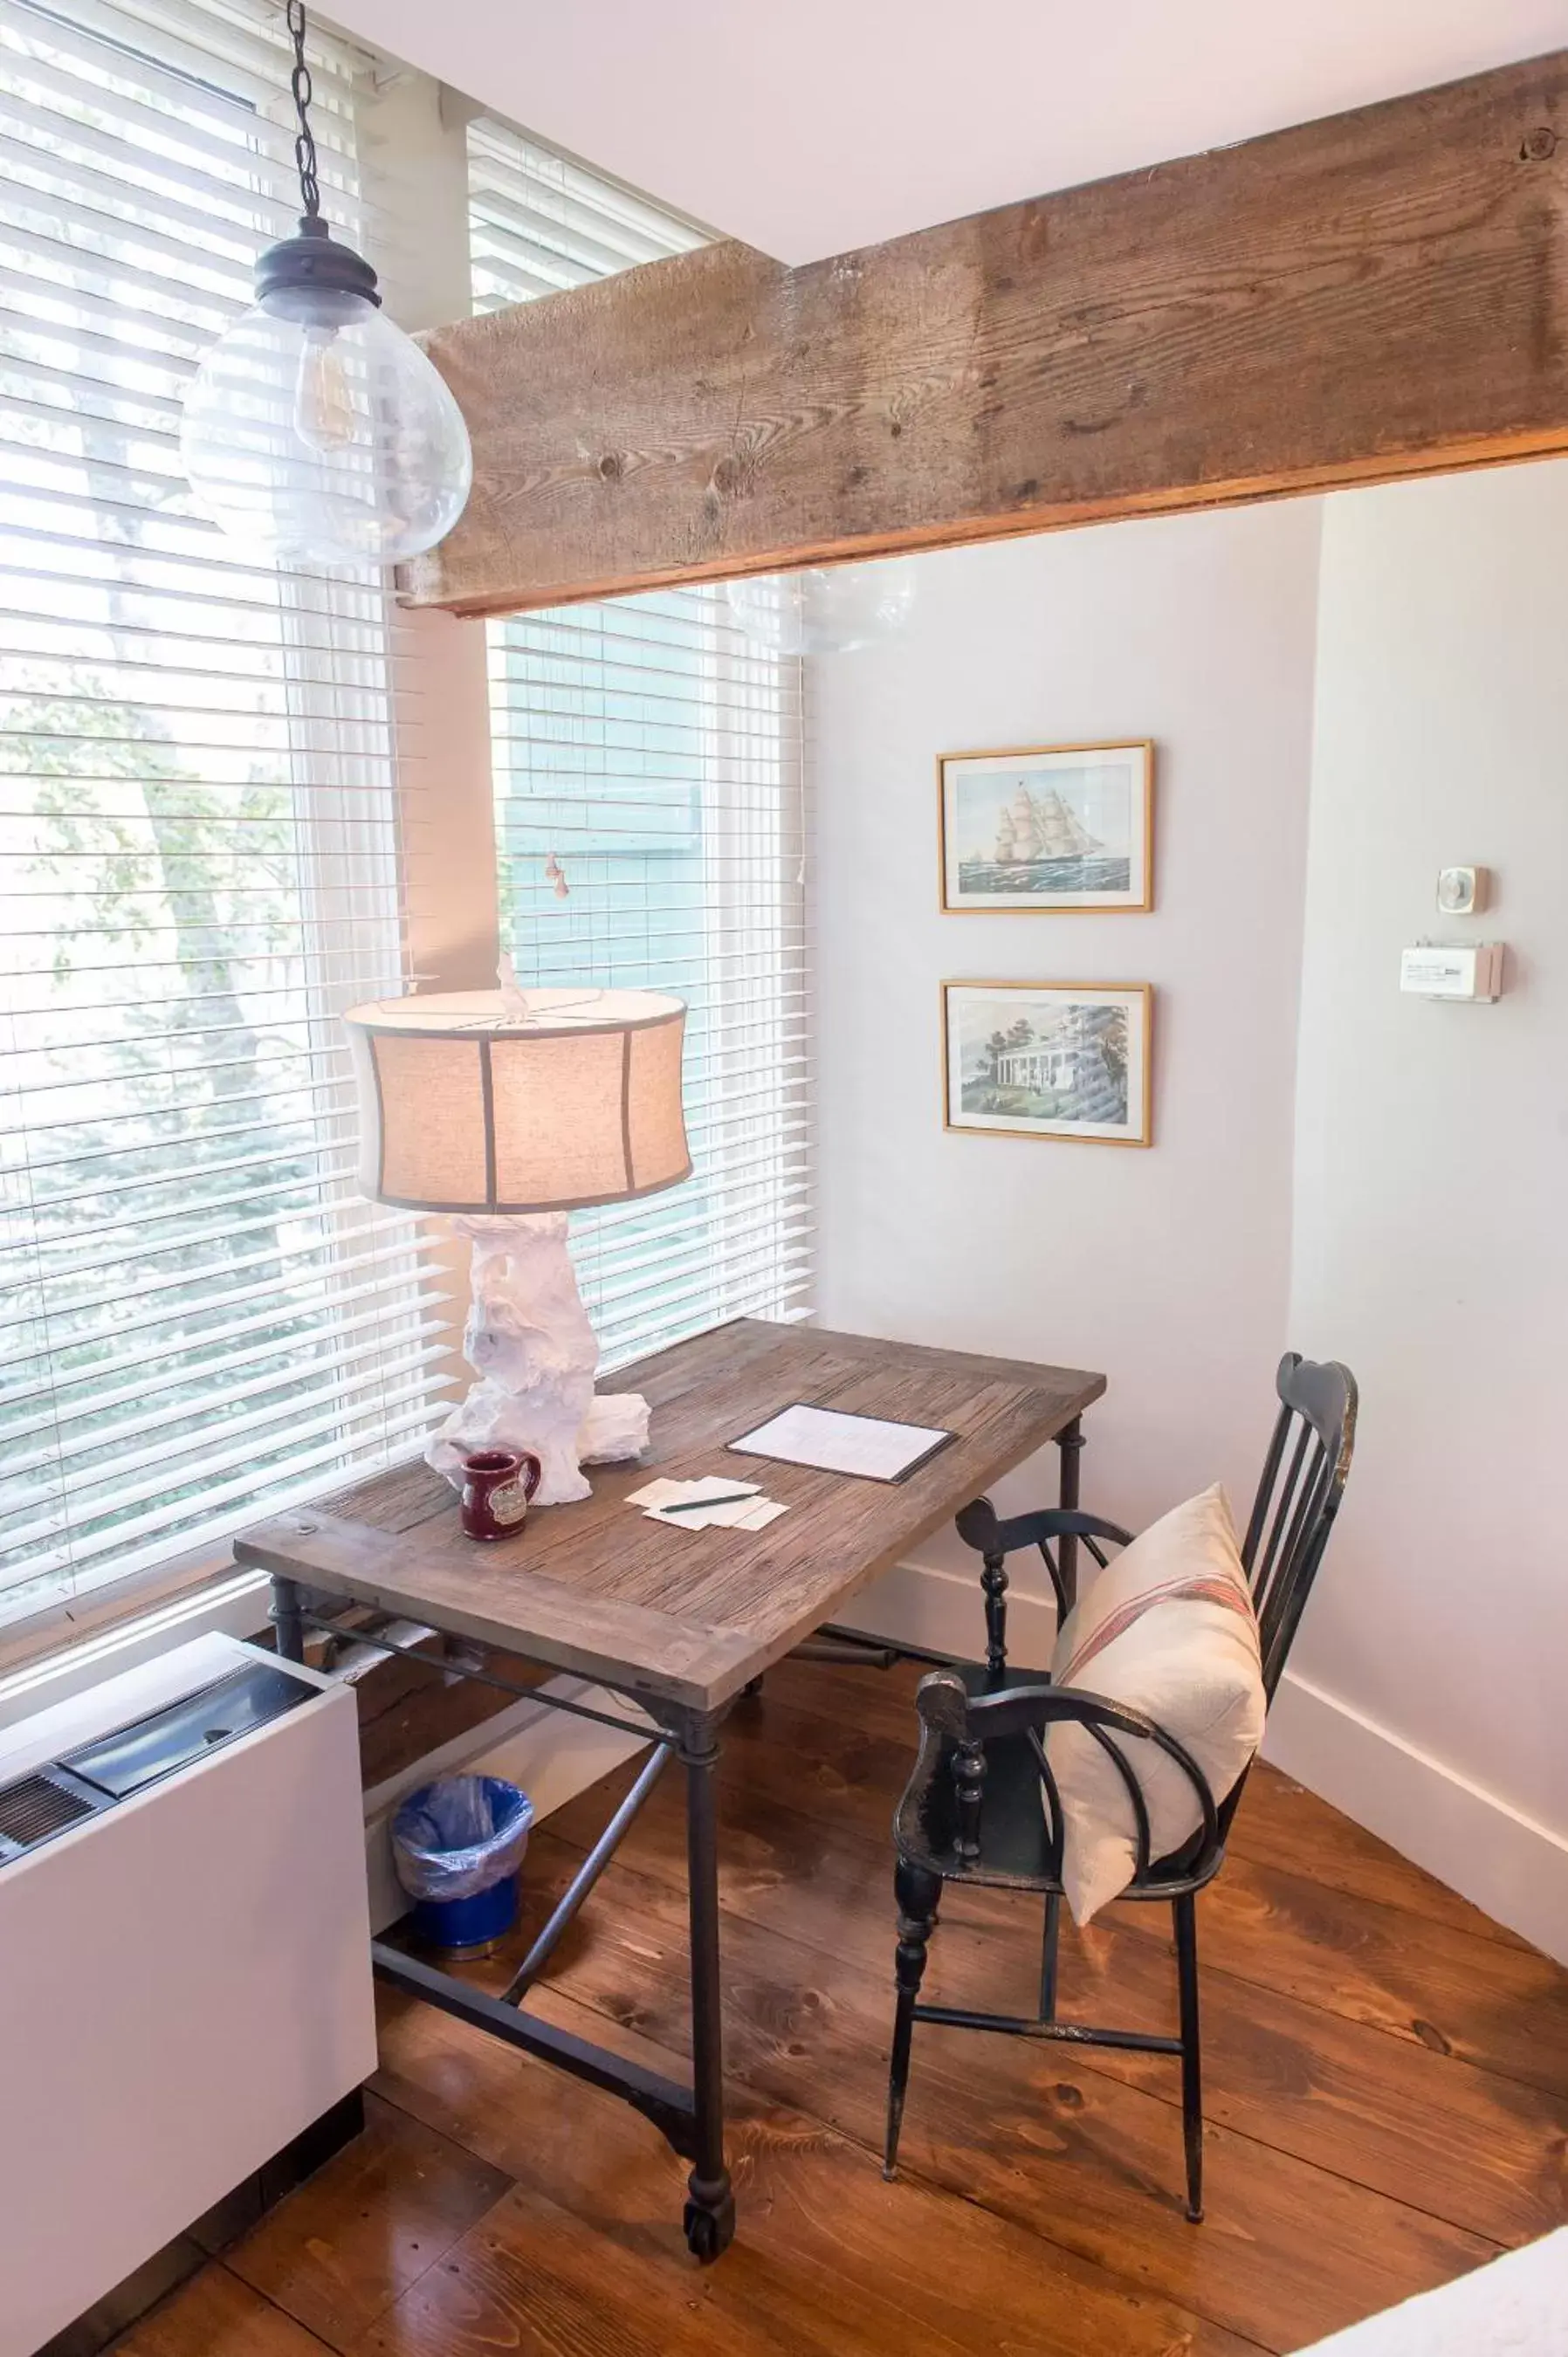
(681, 1621)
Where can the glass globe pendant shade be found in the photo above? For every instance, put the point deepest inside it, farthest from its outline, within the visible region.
(821, 611)
(315, 429)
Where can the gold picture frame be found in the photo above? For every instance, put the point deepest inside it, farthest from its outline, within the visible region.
(1095, 1078)
(1041, 829)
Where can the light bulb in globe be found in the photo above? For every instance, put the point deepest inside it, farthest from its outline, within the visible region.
(823, 611)
(323, 402)
(316, 430)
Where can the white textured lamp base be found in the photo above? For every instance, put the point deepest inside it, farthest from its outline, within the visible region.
(529, 1340)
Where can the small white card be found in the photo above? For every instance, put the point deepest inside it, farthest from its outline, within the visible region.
(835, 1442)
(751, 1512)
(755, 1517)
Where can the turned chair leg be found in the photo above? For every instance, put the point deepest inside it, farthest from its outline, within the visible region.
(918, 1894)
(1185, 1913)
(1048, 1955)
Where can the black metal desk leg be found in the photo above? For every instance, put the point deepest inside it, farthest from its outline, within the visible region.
(1069, 1441)
(288, 1624)
(709, 2211)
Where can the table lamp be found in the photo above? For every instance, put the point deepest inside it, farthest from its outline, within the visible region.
(507, 1109)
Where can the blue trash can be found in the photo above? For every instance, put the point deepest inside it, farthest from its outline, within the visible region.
(457, 1847)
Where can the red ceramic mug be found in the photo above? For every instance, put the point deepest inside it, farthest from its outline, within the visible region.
(497, 1486)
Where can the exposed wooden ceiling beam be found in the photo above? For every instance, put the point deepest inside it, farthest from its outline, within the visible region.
(1382, 293)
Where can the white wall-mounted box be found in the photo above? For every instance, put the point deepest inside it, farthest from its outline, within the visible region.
(1451, 970)
(185, 1982)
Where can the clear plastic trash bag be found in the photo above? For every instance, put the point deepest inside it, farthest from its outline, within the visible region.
(454, 1839)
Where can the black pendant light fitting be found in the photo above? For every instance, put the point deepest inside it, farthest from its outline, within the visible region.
(315, 429)
(313, 260)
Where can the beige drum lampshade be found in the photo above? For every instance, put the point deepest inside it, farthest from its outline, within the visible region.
(468, 1104)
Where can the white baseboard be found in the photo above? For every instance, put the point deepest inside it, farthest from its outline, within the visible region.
(1502, 1861)
(919, 1604)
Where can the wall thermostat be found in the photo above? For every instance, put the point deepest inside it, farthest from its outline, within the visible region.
(1452, 970)
(1461, 890)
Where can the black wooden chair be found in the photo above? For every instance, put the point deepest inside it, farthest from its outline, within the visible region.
(983, 1807)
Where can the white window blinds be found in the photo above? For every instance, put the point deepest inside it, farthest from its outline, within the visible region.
(197, 870)
(650, 828)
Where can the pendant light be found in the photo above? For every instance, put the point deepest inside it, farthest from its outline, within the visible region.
(315, 429)
(824, 610)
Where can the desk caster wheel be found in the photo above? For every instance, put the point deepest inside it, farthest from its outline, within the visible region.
(710, 2225)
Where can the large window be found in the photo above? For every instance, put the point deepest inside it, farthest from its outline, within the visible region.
(198, 843)
(651, 830)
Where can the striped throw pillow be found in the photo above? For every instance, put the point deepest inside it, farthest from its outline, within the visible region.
(1166, 1628)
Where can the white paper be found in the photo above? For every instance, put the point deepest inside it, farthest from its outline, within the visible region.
(837, 1443)
(750, 1512)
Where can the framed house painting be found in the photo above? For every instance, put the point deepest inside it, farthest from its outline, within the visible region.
(1051, 829)
(1047, 1060)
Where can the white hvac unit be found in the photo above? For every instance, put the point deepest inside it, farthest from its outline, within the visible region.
(185, 1980)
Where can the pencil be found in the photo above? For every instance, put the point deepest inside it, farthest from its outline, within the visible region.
(695, 1506)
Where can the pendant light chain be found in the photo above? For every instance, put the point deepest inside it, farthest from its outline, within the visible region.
(304, 92)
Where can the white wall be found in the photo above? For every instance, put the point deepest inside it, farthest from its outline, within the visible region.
(1431, 1178)
(1168, 1269)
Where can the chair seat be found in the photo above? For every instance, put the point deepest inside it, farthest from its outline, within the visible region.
(1014, 1846)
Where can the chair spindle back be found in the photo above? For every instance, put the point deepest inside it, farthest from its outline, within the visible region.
(1302, 1481)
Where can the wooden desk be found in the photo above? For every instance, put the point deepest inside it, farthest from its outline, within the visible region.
(680, 1621)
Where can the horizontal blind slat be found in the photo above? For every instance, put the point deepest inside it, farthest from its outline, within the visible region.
(26, 1261)
(211, 596)
(223, 1443)
(96, 1423)
(784, 1299)
(197, 835)
(651, 751)
(698, 1269)
(268, 1488)
(73, 1396)
(89, 1238)
(172, 1299)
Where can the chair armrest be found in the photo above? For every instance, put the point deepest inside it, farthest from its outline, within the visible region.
(947, 1708)
(980, 1527)
(950, 1715)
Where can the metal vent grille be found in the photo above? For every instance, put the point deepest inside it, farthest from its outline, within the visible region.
(35, 1809)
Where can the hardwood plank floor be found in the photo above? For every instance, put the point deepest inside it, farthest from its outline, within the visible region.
(1387, 2081)
(392, 2204)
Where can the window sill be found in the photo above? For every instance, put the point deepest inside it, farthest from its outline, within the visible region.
(71, 1644)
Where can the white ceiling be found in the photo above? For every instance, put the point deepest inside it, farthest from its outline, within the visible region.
(811, 126)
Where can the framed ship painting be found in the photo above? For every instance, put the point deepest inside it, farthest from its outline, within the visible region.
(1047, 1060)
(1051, 828)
